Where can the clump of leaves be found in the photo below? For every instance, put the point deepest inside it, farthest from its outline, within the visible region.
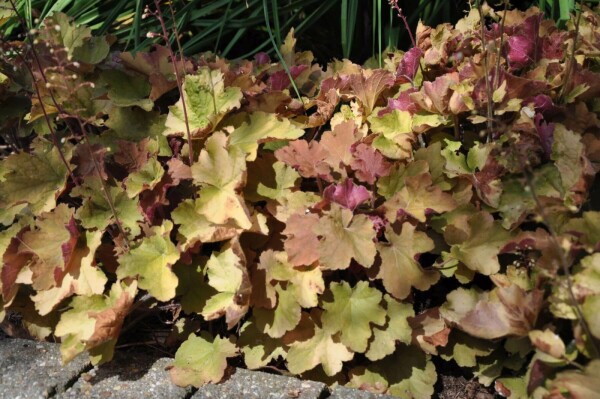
(382, 226)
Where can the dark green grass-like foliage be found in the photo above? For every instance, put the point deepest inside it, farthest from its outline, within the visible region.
(355, 29)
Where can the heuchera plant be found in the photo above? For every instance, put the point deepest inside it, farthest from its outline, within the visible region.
(381, 226)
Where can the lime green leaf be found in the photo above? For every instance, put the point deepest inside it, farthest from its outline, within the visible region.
(396, 329)
(201, 360)
(391, 124)
(260, 128)
(479, 245)
(96, 213)
(35, 178)
(144, 179)
(285, 179)
(134, 124)
(207, 101)
(193, 287)
(352, 312)
(418, 198)
(225, 274)
(321, 349)
(399, 270)
(408, 373)
(195, 227)
(67, 33)
(93, 50)
(151, 261)
(285, 317)
(127, 90)
(588, 227)
(219, 171)
(457, 164)
(345, 236)
(400, 147)
(590, 309)
(94, 323)
(396, 180)
(465, 349)
(258, 348)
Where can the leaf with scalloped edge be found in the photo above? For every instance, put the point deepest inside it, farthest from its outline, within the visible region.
(399, 270)
(283, 318)
(259, 349)
(82, 276)
(304, 283)
(50, 246)
(260, 127)
(344, 237)
(321, 349)
(285, 179)
(408, 373)
(307, 158)
(151, 262)
(35, 178)
(146, 178)
(396, 329)
(478, 242)
(352, 312)
(418, 198)
(368, 85)
(94, 322)
(225, 272)
(201, 360)
(207, 100)
(194, 227)
(567, 150)
(301, 242)
(127, 89)
(464, 349)
(220, 172)
(338, 143)
(493, 314)
(96, 213)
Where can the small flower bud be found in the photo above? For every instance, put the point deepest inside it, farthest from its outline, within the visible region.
(57, 28)
(76, 64)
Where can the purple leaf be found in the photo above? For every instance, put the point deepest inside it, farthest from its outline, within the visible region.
(546, 132)
(262, 58)
(409, 65)
(520, 51)
(280, 80)
(347, 194)
(403, 102)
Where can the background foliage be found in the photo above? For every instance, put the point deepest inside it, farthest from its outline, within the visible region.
(355, 29)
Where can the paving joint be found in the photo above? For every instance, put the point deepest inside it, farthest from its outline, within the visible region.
(325, 393)
(72, 381)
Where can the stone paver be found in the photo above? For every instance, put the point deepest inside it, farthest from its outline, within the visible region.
(244, 384)
(128, 376)
(31, 370)
(350, 393)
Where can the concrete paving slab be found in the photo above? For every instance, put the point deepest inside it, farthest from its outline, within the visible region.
(128, 376)
(245, 384)
(31, 370)
(350, 393)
